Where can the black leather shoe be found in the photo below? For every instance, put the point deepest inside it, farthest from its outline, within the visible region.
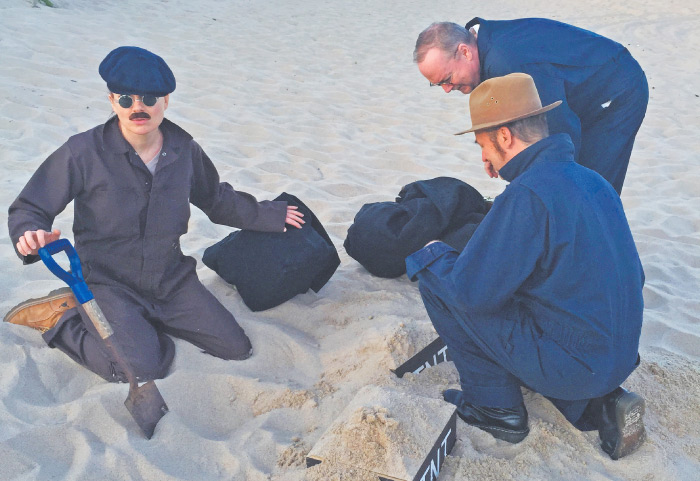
(621, 427)
(506, 424)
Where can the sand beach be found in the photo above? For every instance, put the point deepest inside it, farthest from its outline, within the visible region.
(321, 99)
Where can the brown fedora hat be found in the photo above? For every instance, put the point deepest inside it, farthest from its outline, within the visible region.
(500, 100)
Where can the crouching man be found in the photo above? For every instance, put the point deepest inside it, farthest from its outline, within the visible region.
(548, 292)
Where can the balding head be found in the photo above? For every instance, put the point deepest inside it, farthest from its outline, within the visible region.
(445, 36)
(448, 56)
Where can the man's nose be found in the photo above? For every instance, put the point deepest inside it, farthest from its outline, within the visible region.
(447, 87)
(137, 99)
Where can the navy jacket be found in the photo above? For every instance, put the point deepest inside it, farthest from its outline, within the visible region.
(579, 67)
(127, 223)
(554, 250)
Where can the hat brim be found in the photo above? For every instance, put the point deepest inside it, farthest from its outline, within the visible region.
(487, 125)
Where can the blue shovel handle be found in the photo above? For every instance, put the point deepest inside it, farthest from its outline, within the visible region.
(74, 278)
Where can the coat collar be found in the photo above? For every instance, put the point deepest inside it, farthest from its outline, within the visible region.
(557, 147)
(483, 43)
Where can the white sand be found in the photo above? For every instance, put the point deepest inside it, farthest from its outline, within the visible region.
(385, 431)
(321, 99)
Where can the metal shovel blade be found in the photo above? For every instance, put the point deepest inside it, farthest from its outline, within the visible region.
(146, 406)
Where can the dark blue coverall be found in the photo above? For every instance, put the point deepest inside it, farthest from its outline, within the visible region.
(547, 293)
(603, 89)
(127, 226)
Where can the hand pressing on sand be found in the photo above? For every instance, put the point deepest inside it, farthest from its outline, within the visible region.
(32, 240)
(294, 217)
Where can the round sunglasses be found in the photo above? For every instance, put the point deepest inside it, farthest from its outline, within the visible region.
(126, 101)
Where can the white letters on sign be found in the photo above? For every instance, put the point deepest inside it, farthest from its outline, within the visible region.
(434, 469)
(441, 353)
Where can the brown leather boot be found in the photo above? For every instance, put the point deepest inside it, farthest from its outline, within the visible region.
(43, 313)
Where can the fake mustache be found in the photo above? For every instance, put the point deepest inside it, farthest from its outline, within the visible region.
(139, 115)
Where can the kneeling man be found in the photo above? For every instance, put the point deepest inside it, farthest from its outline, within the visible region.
(548, 292)
(131, 181)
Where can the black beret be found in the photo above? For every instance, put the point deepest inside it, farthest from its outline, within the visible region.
(134, 70)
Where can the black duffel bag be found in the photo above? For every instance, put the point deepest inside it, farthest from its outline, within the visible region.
(269, 268)
(383, 234)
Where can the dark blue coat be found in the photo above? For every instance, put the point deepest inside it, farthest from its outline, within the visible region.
(556, 252)
(384, 233)
(584, 70)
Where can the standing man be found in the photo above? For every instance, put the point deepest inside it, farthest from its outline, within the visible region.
(132, 181)
(547, 294)
(603, 90)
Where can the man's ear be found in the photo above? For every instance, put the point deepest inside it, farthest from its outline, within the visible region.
(112, 102)
(464, 49)
(166, 99)
(505, 138)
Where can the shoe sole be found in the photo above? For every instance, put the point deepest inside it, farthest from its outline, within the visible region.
(509, 435)
(629, 412)
(51, 296)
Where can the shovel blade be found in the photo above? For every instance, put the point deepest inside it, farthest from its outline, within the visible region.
(146, 406)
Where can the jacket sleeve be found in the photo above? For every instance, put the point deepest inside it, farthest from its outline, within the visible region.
(497, 260)
(55, 183)
(226, 206)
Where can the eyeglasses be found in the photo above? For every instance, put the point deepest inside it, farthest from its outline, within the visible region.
(445, 82)
(126, 101)
(440, 84)
(448, 81)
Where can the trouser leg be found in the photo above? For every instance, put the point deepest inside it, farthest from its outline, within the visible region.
(495, 356)
(572, 410)
(192, 313)
(608, 136)
(147, 352)
(484, 381)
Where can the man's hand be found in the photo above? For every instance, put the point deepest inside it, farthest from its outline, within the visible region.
(294, 217)
(490, 171)
(32, 240)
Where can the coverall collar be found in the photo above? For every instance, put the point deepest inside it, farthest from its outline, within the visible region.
(114, 141)
(482, 45)
(557, 147)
